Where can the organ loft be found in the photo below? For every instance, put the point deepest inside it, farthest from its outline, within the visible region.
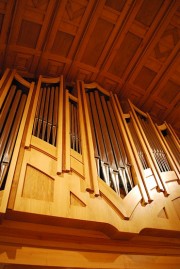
(89, 134)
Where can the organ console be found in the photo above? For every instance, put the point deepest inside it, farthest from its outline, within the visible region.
(81, 158)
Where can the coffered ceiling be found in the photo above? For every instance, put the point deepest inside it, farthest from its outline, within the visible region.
(130, 47)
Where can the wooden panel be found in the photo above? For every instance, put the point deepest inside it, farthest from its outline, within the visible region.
(30, 29)
(54, 68)
(170, 92)
(134, 96)
(148, 11)
(62, 43)
(74, 11)
(144, 78)
(37, 185)
(163, 214)
(176, 203)
(157, 109)
(97, 42)
(81, 74)
(38, 5)
(117, 5)
(23, 61)
(173, 117)
(167, 42)
(125, 54)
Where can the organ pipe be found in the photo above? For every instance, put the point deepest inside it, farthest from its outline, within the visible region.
(75, 139)
(172, 145)
(112, 163)
(46, 116)
(13, 111)
(155, 145)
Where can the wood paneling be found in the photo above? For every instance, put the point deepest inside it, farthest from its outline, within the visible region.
(148, 11)
(125, 54)
(37, 185)
(129, 47)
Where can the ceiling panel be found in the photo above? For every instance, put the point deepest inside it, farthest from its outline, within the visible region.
(129, 47)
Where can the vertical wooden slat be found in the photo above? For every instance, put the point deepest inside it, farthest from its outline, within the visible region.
(67, 132)
(4, 77)
(45, 114)
(75, 127)
(173, 135)
(6, 88)
(176, 138)
(50, 114)
(87, 175)
(72, 116)
(37, 112)
(32, 114)
(60, 128)
(88, 151)
(55, 116)
(97, 129)
(94, 136)
(6, 106)
(41, 114)
(78, 131)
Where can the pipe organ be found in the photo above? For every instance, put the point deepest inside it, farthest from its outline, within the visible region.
(80, 159)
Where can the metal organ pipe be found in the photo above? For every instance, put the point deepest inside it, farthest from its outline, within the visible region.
(155, 145)
(113, 166)
(55, 116)
(50, 114)
(99, 141)
(10, 119)
(75, 140)
(46, 117)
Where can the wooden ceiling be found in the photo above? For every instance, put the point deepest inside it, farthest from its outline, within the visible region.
(128, 46)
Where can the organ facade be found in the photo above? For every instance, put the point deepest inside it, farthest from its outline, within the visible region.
(84, 184)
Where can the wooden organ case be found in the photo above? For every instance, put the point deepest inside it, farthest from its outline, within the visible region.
(81, 179)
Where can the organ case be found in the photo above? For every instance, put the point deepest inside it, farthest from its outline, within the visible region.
(80, 157)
